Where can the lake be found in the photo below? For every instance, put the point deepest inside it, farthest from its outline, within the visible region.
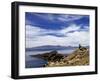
(33, 62)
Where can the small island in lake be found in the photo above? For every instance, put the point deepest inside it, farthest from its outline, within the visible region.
(80, 56)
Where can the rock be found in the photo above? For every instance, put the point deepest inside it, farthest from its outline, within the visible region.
(50, 56)
(79, 57)
(54, 56)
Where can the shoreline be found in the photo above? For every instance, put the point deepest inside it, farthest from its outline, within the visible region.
(78, 57)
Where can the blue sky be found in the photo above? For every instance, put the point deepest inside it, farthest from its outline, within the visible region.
(56, 29)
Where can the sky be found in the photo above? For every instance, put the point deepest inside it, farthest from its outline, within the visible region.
(56, 29)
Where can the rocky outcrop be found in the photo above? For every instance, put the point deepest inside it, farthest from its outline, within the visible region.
(52, 56)
(78, 57)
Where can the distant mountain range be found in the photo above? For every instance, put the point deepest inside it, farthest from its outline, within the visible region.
(49, 47)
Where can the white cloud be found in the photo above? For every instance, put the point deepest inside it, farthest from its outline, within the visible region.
(81, 37)
(59, 17)
(46, 16)
(34, 38)
(69, 17)
(31, 30)
(72, 27)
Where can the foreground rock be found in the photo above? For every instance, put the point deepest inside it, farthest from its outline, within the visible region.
(77, 58)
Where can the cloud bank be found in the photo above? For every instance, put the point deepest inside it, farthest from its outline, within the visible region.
(56, 29)
(36, 36)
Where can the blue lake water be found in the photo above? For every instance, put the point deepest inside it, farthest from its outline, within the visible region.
(33, 62)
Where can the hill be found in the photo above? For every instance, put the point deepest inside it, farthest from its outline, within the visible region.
(77, 58)
(49, 47)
